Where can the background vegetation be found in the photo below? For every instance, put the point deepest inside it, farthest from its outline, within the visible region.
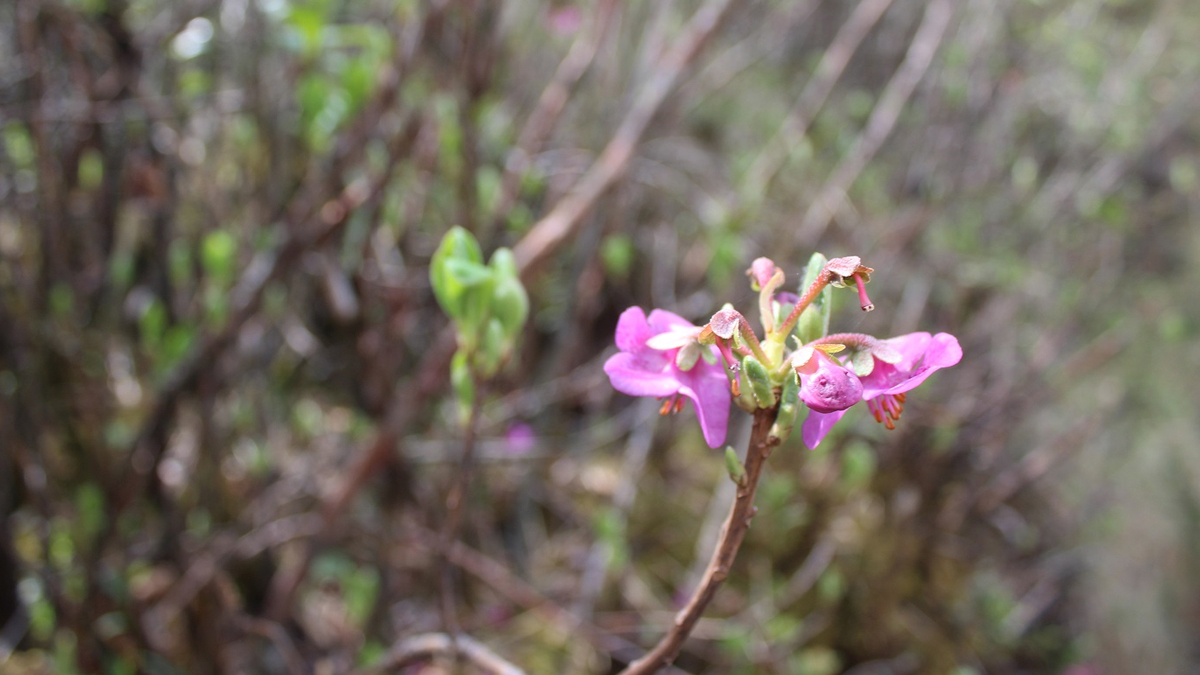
(224, 410)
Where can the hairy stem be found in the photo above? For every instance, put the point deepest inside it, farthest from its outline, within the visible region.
(811, 294)
(732, 534)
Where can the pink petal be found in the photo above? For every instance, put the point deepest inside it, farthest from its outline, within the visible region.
(817, 425)
(633, 330)
(831, 387)
(708, 388)
(662, 321)
(923, 355)
(628, 375)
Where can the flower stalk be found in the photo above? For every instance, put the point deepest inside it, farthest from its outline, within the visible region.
(733, 532)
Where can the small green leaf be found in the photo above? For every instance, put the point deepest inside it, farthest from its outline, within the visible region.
(760, 381)
(448, 284)
(510, 304)
(733, 465)
(789, 409)
(617, 253)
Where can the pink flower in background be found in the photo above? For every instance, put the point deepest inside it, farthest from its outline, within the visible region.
(650, 364)
(910, 359)
(520, 439)
(565, 20)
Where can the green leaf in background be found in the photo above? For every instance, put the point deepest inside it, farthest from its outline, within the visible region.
(463, 383)
(789, 408)
(91, 169)
(218, 256)
(616, 251)
(510, 302)
(493, 349)
(858, 466)
(448, 286)
(19, 145)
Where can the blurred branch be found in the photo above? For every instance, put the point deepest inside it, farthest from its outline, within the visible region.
(246, 298)
(421, 647)
(556, 227)
(544, 117)
(833, 63)
(156, 620)
(636, 451)
(518, 591)
(883, 119)
(732, 534)
(455, 499)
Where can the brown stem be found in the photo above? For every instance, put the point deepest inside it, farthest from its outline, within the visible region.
(567, 216)
(732, 534)
(811, 294)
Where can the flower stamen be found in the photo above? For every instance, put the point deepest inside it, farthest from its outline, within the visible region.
(863, 300)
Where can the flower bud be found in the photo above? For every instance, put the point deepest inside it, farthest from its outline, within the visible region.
(760, 272)
(829, 387)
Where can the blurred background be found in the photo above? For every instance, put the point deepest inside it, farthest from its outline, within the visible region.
(225, 411)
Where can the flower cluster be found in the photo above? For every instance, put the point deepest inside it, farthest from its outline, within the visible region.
(795, 362)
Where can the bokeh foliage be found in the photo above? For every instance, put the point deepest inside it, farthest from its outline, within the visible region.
(225, 410)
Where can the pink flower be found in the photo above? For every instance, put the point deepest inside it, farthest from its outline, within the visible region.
(520, 439)
(660, 357)
(908, 360)
(825, 385)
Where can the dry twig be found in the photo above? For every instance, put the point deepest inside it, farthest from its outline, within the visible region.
(732, 534)
(556, 227)
(421, 647)
(883, 119)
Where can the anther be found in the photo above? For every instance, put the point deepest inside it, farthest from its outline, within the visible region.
(666, 406)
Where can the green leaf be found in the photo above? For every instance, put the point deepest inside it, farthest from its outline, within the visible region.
(760, 381)
(737, 472)
(789, 409)
(510, 304)
(455, 261)
(463, 383)
(218, 256)
(505, 263)
(617, 254)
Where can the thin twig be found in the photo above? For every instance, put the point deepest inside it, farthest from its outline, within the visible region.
(594, 571)
(553, 230)
(883, 119)
(210, 562)
(550, 105)
(521, 593)
(833, 63)
(732, 534)
(421, 647)
(454, 512)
